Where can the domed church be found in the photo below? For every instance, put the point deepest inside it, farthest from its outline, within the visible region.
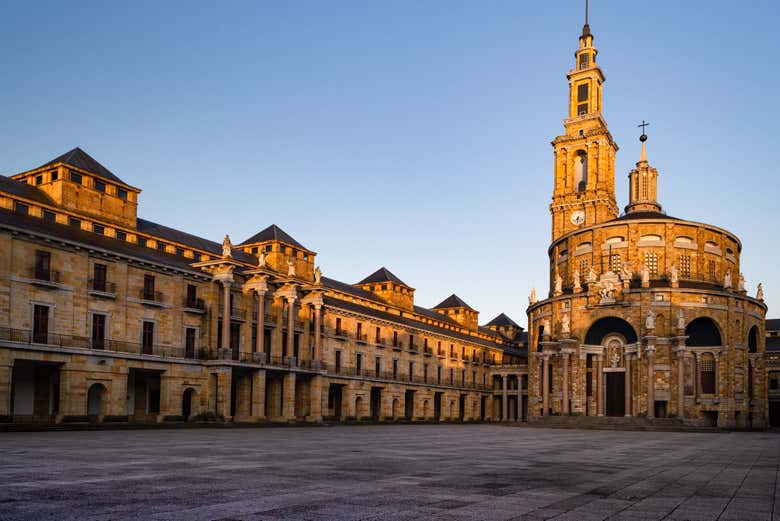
(647, 315)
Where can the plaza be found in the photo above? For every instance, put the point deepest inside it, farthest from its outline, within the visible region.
(376, 472)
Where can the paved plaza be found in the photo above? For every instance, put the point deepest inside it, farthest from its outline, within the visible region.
(404, 472)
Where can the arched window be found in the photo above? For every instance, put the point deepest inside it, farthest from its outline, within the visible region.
(702, 332)
(580, 171)
(604, 326)
(753, 340)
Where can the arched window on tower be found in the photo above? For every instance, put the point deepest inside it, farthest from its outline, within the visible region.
(580, 171)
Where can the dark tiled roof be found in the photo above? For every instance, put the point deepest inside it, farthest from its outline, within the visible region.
(772, 324)
(84, 161)
(382, 275)
(645, 215)
(521, 337)
(773, 343)
(20, 189)
(453, 301)
(350, 289)
(273, 233)
(502, 320)
(73, 235)
(193, 241)
(357, 308)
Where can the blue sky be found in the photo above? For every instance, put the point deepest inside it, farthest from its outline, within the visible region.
(414, 135)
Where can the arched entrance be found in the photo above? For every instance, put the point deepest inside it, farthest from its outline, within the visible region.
(609, 385)
(187, 402)
(703, 332)
(95, 401)
(753, 340)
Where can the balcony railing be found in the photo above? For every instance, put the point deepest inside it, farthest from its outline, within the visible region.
(194, 304)
(102, 286)
(151, 297)
(361, 338)
(366, 372)
(45, 276)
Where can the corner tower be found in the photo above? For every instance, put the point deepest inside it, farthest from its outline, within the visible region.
(584, 189)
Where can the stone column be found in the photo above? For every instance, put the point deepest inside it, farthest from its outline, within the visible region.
(698, 376)
(716, 368)
(315, 395)
(519, 398)
(565, 386)
(316, 333)
(258, 394)
(170, 401)
(5, 390)
(545, 384)
(288, 407)
(260, 340)
(505, 398)
(226, 312)
(290, 325)
(628, 385)
(650, 381)
(600, 379)
(681, 382)
(224, 382)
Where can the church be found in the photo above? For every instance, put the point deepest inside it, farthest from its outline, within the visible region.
(647, 315)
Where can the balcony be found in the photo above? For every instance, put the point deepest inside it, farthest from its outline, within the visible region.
(380, 342)
(398, 345)
(194, 305)
(413, 348)
(441, 354)
(151, 298)
(101, 288)
(428, 351)
(361, 338)
(46, 278)
(341, 335)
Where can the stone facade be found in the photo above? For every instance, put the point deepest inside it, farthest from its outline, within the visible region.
(106, 317)
(647, 314)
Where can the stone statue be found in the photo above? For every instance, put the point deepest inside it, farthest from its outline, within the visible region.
(565, 323)
(645, 274)
(577, 286)
(592, 275)
(727, 280)
(760, 292)
(650, 320)
(317, 275)
(261, 260)
(532, 297)
(741, 283)
(545, 327)
(227, 247)
(558, 284)
(290, 267)
(673, 275)
(680, 319)
(625, 271)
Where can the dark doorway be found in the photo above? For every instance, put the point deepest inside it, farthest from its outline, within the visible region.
(462, 407)
(616, 393)
(774, 414)
(482, 408)
(186, 405)
(376, 403)
(335, 396)
(409, 405)
(437, 407)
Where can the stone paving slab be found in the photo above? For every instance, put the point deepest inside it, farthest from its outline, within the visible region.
(389, 473)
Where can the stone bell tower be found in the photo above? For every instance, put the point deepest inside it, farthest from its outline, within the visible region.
(584, 189)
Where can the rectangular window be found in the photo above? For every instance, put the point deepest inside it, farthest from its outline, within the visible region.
(38, 180)
(235, 337)
(582, 109)
(121, 193)
(438, 375)
(42, 265)
(582, 92)
(651, 261)
(147, 337)
(49, 216)
(711, 271)
(40, 324)
(685, 266)
(358, 363)
(148, 293)
(161, 246)
(452, 351)
(100, 230)
(76, 223)
(55, 175)
(189, 342)
(395, 369)
(425, 373)
(100, 186)
(142, 241)
(395, 338)
(338, 361)
(76, 178)
(21, 208)
(584, 61)
(192, 296)
(615, 262)
(707, 368)
(378, 335)
(377, 365)
(452, 376)
(268, 248)
(359, 329)
(99, 272)
(180, 252)
(338, 326)
(584, 267)
(412, 347)
(98, 331)
(411, 371)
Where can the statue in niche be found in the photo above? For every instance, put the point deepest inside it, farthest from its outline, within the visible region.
(577, 286)
(727, 280)
(645, 274)
(565, 323)
(290, 267)
(650, 320)
(625, 271)
(227, 247)
(673, 275)
(558, 284)
(592, 275)
(680, 319)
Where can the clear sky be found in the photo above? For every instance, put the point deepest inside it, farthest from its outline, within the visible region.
(414, 135)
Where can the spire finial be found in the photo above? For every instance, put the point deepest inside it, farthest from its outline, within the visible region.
(586, 27)
(586, 12)
(643, 138)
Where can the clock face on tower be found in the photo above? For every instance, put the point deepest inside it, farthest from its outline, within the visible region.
(577, 217)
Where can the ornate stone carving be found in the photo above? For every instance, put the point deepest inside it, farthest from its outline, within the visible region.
(645, 275)
(532, 297)
(261, 260)
(592, 275)
(558, 284)
(673, 275)
(577, 286)
(741, 283)
(650, 320)
(680, 319)
(625, 272)
(227, 247)
(290, 267)
(317, 275)
(608, 287)
(565, 324)
(727, 280)
(760, 292)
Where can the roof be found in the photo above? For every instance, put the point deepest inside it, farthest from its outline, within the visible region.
(772, 324)
(645, 215)
(382, 275)
(193, 241)
(273, 233)
(773, 343)
(502, 320)
(350, 289)
(453, 301)
(18, 188)
(84, 161)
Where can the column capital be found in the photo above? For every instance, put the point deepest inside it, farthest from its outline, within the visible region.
(288, 291)
(258, 284)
